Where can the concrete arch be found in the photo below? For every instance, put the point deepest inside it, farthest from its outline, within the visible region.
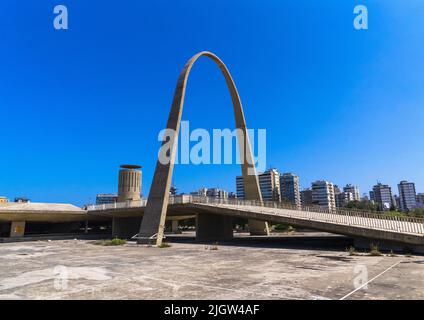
(155, 213)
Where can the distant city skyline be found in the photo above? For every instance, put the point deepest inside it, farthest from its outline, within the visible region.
(347, 187)
(338, 104)
(271, 182)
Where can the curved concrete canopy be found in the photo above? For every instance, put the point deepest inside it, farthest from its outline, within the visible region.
(155, 214)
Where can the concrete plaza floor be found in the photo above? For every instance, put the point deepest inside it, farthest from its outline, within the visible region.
(299, 266)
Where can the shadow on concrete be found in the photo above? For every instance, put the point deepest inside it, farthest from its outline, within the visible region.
(276, 241)
(52, 237)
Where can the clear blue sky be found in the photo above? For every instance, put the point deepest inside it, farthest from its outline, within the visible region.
(338, 104)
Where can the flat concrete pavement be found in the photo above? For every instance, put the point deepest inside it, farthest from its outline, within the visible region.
(285, 267)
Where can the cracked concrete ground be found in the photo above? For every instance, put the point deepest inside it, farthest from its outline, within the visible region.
(280, 267)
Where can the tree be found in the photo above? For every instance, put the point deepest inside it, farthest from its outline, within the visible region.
(418, 212)
(365, 205)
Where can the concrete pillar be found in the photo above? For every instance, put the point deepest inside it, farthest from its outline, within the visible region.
(17, 229)
(125, 228)
(5, 229)
(212, 227)
(258, 228)
(175, 226)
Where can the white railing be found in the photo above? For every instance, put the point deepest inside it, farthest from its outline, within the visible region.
(358, 218)
(314, 213)
(117, 205)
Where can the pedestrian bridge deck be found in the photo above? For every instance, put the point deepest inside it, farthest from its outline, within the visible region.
(347, 222)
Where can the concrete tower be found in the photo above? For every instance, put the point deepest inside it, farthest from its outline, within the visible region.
(129, 185)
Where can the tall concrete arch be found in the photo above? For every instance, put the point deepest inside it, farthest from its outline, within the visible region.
(155, 213)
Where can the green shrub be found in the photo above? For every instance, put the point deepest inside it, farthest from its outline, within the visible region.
(375, 250)
(395, 214)
(117, 242)
(113, 242)
(352, 251)
(281, 227)
(392, 254)
(365, 205)
(418, 213)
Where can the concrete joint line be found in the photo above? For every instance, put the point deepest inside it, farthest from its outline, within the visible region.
(366, 283)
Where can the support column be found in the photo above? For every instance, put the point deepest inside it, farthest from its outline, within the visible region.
(125, 228)
(17, 229)
(175, 226)
(258, 228)
(212, 227)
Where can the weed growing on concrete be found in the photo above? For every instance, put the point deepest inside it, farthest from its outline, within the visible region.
(392, 254)
(352, 251)
(375, 251)
(164, 245)
(113, 242)
(214, 246)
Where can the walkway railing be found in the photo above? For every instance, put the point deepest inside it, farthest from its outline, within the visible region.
(117, 205)
(358, 218)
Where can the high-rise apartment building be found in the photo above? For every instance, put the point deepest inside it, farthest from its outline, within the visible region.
(232, 195)
(217, 193)
(354, 190)
(306, 197)
(211, 192)
(323, 194)
(106, 198)
(365, 197)
(289, 188)
(420, 200)
(372, 196)
(201, 192)
(343, 198)
(407, 196)
(240, 187)
(269, 183)
(336, 189)
(396, 200)
(382, 195)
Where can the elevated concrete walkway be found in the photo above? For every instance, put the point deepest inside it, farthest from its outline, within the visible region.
(356, 224)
